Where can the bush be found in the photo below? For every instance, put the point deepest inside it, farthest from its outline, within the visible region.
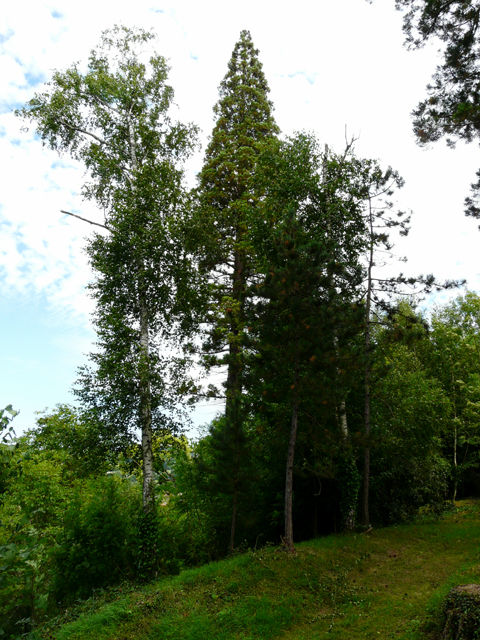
(99, 543)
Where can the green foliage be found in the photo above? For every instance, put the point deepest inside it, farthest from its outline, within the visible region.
(98, 544)
(409, 412)
(7, 444)
(148, 544)
(6, 416)
(36, 494)
(229, 470)
(350, 480)
(45, 471)
(453, 358)
(75, 433)
(165, 449)
(203, 507)
(68, 529)
(244, 124)
(453, 98)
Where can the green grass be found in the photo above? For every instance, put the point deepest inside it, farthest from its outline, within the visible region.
(388, 584)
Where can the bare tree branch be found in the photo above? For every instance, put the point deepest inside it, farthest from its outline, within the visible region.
(85, 219)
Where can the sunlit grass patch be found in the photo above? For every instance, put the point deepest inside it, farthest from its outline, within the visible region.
(100, 624)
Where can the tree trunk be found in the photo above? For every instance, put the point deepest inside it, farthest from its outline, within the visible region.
(366, 467)
(342, 411)
(234, 376)
(146, 410)
(349, 511)
(290, 459)
(234, 516)
(366, 488)
(233, 386)
(349, 479)
(455, 441)
(455, 466)
(343, 420)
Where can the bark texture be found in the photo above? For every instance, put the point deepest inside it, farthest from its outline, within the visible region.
(146, 410)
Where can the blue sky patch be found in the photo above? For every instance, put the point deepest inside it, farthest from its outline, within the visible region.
(33, 78)
(193, 56)
(56, 14)
(6, 36)
(309, 77)
(6, 108)
(40, 368)
(60, 164)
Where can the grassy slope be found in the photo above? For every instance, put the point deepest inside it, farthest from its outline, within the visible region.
(389, 583)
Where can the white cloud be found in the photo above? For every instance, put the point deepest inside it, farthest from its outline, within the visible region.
(39, 251)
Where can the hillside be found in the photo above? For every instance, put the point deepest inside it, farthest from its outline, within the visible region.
(389, 583)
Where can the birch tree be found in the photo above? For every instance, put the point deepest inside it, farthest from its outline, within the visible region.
(114, 118)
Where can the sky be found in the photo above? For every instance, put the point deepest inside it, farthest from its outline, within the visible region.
(338, 69)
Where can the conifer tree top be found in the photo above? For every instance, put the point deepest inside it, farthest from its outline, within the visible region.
(246, 81)
(244, 121)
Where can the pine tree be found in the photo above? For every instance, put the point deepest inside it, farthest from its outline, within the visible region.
(452, 105)
(244, 124)
(309, 247)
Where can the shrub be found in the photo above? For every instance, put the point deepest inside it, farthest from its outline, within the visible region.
(98, 545)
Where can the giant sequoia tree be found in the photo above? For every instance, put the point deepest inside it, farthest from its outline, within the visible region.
(114, 119)
(244, 124)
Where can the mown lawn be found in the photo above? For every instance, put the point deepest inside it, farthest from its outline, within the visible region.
(389, 583)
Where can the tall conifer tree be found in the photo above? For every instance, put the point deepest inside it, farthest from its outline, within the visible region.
(244, 124)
